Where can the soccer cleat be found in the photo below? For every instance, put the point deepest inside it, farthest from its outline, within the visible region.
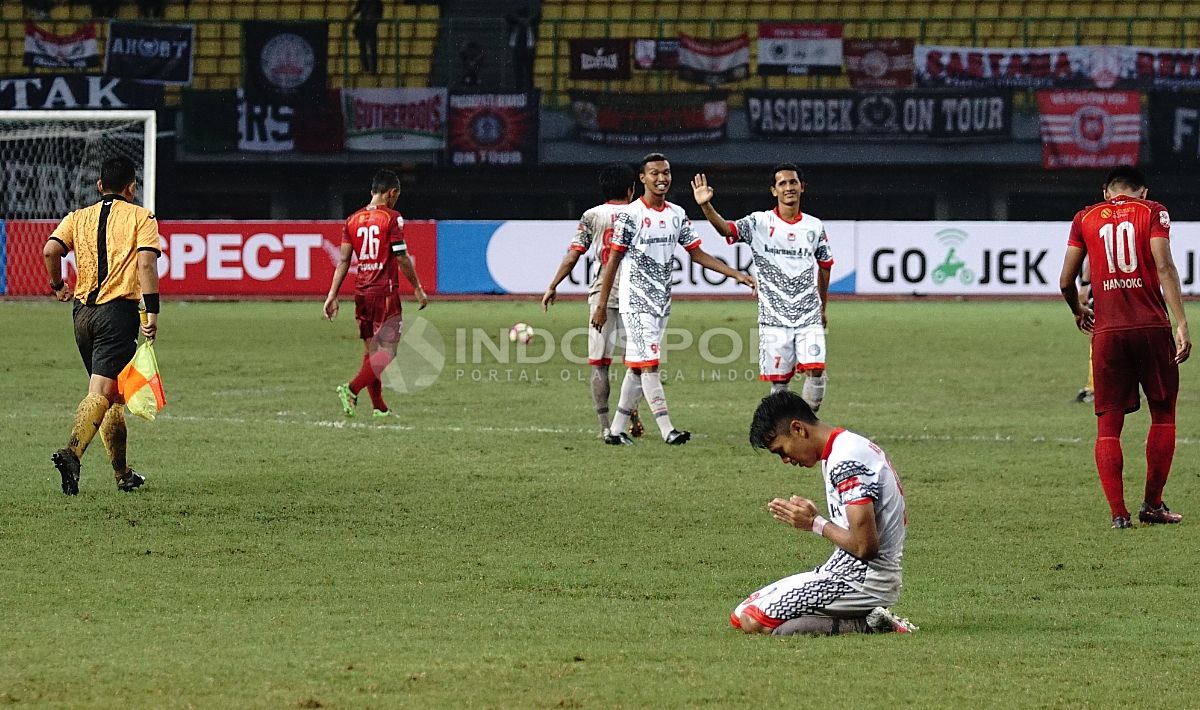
(1085, 396)
(67, 464)
(883, 621)
(636, 428)
(130, 480)
(1121, 523)
(381, 413)
(349, 399)
(1158, 516)
(678, 438)
(621, 439)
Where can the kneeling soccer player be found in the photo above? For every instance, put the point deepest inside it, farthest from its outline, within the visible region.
(854, 588)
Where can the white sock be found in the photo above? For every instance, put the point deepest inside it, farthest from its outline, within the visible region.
(631, 392)
(652, 385)
(814, 391)
(600, 391)
(779, 386)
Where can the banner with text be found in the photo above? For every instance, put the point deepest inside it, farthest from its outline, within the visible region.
(75, 51)
(1089, 129)
(395, 119)
(715, 61)
(799, 49)
(879, 63)
(284, 61)
(600, 59)
(264, 127)
(649, 119)
(77, 91)
(656, 54)
(493, 129)
(294, 259)
(152, 52)
(925, 115)
(1175, 128)
(1082, 67)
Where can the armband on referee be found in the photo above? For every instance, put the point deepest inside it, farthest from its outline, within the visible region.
(151, 301)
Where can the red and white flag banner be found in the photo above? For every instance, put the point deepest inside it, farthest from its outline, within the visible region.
(1089, 129)
(76, 51)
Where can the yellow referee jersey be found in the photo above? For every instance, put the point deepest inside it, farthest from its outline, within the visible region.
(106, 238)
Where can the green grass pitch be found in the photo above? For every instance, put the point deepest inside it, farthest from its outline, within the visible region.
(483, 549)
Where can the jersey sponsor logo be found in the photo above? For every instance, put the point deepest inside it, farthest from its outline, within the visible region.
(1164, 219)
(1105, 213)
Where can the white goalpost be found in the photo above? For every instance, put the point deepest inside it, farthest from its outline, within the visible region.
(49, 164)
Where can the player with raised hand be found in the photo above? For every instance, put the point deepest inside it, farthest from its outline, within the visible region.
(594, 232)
(1126, 239)
(375, 236)
(792, 260)
(643, 244)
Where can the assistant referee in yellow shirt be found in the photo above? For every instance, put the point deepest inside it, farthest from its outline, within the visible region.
(116, 257)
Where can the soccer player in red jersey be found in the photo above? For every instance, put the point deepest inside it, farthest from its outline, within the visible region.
(1134, 282)
(375, 236)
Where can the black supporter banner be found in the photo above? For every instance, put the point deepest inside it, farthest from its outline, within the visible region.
(1175, 128)
(150, 52)
(921, 115)
(284, 61)
(600, 59)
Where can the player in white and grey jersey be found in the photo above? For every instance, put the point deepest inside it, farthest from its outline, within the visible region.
(867, 524)
(644, 241)
(792, 259)
(594, 233)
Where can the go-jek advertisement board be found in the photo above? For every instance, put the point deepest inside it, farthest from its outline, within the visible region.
(522, 257)
(983, 258)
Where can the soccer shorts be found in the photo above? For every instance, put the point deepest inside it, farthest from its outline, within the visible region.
(106, 335)
(378, 315)
(602, 343)
(784, 352)
(814, 593)
(1123, 359)
(644, 334)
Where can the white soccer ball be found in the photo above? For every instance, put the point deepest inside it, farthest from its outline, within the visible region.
(520, 333)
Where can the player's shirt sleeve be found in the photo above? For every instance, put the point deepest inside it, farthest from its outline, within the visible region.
(688, 238)
(395, 235)
(1075, 238)
(582, 241)
(855, 482)
(64, 233)
(823, 254)
(346, 233)
(623, 231)
(147, 234)
(1160, 222)
(743, 230)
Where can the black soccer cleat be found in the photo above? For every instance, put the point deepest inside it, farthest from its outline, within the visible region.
(1121, 523)
(67, 464)
(1161, 515)
(678, 438)
(619, 439)
(130, 480)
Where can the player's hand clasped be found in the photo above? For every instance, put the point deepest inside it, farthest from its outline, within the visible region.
(795, 511)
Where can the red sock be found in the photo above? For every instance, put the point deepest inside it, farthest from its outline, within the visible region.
(1110, 462)
(375, 389)
(1160, 450)
(371, 367)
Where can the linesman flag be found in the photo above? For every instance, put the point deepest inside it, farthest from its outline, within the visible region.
(140, 384)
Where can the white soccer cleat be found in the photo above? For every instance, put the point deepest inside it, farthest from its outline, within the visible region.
(883, 621)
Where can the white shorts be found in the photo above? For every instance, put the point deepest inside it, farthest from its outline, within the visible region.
(814, 593)
(784, 352)
(644, 333)
(602, 343)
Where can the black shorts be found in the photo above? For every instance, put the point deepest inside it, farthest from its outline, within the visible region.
(106, 335)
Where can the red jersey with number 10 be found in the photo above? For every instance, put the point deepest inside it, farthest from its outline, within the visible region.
(377, 235)
(1116, 235)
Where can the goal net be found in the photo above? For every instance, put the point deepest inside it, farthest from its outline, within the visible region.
(49, 164)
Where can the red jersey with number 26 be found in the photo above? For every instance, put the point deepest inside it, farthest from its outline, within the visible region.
(377, 236)
(1116, 235)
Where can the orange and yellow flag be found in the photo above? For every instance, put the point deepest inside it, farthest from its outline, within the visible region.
(140, 384)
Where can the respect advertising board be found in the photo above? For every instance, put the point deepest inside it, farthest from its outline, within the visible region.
(924, 115)
(280, 259)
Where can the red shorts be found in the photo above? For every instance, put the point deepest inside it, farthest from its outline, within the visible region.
(1123, 359)
(378, 315)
